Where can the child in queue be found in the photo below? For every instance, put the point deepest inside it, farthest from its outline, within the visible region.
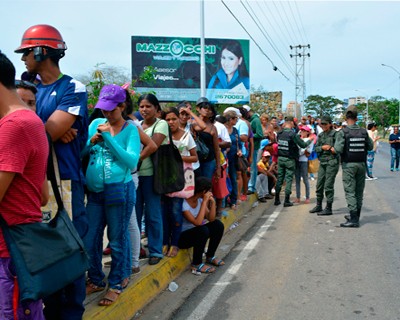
(200, 225)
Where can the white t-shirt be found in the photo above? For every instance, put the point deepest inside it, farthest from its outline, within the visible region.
(185, 144)
(186, 225)
(302, 156)
(223, 133)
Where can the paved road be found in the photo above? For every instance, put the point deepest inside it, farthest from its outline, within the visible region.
(295, 265)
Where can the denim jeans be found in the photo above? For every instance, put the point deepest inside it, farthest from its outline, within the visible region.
(67, 303)
(116, 218)
(302, 172)
(262, 185)
(172, 219)
(134, 230)
(395, 157)
(149, 203)
(233, 177)
(8, 287)
(207, 169)
(253, 173)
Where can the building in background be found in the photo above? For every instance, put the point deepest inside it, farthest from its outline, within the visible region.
(266, 102)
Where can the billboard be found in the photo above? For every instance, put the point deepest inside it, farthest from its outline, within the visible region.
(176, 62)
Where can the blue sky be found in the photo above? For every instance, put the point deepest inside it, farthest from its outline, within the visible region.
(349, 39)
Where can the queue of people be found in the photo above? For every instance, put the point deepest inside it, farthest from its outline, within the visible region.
(107, 161)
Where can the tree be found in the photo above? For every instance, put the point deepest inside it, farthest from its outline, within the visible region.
(321, 106)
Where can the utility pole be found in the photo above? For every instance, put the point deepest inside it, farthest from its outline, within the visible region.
(299, 56)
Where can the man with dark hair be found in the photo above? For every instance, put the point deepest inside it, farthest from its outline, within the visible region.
(23, 160)
(353, 143)
(328, 167)
(288, 153)
(62, 105)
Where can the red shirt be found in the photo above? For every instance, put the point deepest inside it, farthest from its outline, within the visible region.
(23, 150)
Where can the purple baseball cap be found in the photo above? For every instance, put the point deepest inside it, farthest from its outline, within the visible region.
(110, 96)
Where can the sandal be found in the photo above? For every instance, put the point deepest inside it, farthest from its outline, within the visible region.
(165, 250)
(215, 261)
(173, 251)
(92, 288)
(125, 283)
(111, 296)
(203, 268)
(154, 260)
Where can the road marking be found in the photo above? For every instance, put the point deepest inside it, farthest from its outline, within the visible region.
(209, 300)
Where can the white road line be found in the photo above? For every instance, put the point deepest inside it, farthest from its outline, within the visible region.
(209, 300)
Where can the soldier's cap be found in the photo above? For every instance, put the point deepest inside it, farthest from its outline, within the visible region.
(351, 112)
(289, 118)
(326, 120)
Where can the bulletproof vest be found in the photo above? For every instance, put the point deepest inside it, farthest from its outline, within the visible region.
(355, 145)
(286, 146)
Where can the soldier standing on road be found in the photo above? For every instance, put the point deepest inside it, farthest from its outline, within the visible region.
(288, 152)
(328, 167)
(353, 143)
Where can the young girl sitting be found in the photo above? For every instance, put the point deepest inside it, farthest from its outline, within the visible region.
(200, 225)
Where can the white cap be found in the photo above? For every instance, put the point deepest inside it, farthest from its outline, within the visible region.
(344, 123)
(246, 107)
(233, 109)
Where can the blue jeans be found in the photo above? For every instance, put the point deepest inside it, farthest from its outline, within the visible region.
(149, 203)
(395, 157)
(253, 173)
(232, 171)
(116, 218)
(172, 219)
(67, 303)
(302, 172)
(133, 229)
(207, 169)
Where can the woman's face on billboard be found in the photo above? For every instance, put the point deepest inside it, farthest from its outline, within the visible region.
(229, 62)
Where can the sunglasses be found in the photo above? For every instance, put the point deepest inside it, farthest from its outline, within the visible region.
(27, 52)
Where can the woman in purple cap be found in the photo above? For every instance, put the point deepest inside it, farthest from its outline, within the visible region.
(114, 148)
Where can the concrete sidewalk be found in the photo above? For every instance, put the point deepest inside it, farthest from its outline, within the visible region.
(146, 285)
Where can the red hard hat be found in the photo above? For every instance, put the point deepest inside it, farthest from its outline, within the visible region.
(41, 35)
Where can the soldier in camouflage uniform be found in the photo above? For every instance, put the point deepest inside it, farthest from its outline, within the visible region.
(288, 153)
(353, 143)
(328, 167)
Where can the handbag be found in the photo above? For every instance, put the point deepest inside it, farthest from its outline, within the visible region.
(313, 166)
(201, 148)
(168, 168)
(188, 189)
(243, 163)
(47, 256)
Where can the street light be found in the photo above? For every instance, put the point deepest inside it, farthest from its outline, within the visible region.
(398, 73)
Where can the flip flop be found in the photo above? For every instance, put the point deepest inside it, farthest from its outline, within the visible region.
(215, 261)
(110, 297)
(203, 268)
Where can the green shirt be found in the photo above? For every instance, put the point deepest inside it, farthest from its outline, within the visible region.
(326, 138)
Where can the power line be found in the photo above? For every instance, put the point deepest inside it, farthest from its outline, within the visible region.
(297, 25)
(288, 19)
(265, 33)
(301, 22)
(275, 68)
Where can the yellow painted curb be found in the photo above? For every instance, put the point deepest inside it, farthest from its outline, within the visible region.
(153, 279)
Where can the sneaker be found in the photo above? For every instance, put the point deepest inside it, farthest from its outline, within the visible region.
(297, 200)
(367, 178)
(250, 192)
(374, 178)
(312, 178)
(391, 169)
(243, 197)
(262, 199)
(307, 201)
(268, 196)
(397, 169)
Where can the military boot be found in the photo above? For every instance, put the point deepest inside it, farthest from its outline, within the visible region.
(327, 211)
(287, 202)
(277, 200)
(347, 216)
(353, 222)
(317, 208)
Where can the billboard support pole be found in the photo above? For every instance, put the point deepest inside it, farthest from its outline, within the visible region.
(202, 54)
